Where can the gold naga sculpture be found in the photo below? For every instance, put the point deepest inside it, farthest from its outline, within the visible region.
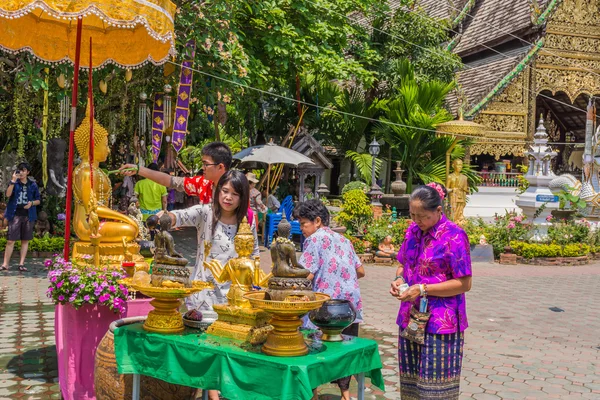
(458, 186)
(101, 230)
(237, 319)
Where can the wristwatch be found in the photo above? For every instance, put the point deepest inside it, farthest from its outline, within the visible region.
(12, 183)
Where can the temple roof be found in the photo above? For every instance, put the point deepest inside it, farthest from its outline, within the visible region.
(439, 9)
(493, 22)
(480, 77)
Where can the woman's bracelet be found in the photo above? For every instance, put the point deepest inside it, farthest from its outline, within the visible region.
(423, 289)
(399, 277)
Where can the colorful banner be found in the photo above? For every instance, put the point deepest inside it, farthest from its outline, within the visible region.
(182, 110)
(158, 125)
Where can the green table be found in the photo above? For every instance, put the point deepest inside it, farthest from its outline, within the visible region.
(241, 371)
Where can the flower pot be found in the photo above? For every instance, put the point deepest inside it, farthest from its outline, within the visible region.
(567, 215)
(332, 318)
(110, 385)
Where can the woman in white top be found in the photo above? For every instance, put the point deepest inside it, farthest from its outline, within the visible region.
(217, 225)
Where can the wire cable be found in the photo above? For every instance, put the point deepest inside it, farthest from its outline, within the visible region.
(266, 92)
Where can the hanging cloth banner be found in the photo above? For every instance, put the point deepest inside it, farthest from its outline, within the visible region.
(182, 111)
(158, 124)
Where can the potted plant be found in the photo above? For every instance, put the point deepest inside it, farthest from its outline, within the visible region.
(568, 205)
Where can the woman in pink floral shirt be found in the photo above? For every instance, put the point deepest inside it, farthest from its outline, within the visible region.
(335, 268)
(435, 262)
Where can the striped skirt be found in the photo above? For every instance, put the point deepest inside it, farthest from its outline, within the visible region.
(431, 371)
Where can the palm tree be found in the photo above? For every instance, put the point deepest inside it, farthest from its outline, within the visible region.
(416, 109)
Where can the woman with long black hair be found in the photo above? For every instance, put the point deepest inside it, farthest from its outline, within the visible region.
(217, 225)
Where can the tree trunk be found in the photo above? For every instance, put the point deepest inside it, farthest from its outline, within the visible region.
(409, 180)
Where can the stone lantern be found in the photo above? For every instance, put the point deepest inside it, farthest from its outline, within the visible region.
(539, 175)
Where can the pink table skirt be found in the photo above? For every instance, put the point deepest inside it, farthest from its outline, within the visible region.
(78, 333)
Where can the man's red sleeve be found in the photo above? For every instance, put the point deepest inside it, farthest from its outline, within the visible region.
(199, 186)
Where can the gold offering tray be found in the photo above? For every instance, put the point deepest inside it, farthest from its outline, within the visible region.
(165, 317)
(171, 293)
(257, 299)
(285, 340)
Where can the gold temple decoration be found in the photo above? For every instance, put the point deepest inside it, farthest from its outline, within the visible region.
(285, 340)
(237, 319)
(103, 241)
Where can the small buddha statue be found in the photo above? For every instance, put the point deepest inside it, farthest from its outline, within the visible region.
(458, 186)
(113, 226)
(289, 277)
(243, 272)
(169, 266)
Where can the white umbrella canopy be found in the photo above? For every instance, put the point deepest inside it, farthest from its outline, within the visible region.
(271, 154)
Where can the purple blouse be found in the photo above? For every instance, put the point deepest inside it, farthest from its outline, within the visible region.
(441, 254)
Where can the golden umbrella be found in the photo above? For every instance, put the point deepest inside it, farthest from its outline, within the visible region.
(456, 129)
(128, 33)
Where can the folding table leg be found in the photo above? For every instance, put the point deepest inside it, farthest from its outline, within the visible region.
(361, 385)
(136, 387)
(204, 394)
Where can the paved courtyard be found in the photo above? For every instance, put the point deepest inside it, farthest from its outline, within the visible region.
(534, 332)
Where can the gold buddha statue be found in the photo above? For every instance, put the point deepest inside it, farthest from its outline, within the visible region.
(92, 216)
(458, 186)
(237, 319)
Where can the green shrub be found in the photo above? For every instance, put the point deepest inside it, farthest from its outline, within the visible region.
(359, 246)
(354, 185)
(576, 250)
(45, 244)
(533, 250)
(356, 212)
(505, 229)
(475, 228)
(567, 232)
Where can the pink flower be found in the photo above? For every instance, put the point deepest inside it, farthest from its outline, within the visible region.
(549, 218)
(438, 188)
(519, 219)
(511, 225)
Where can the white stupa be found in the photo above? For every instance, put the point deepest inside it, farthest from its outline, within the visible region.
(539, 175)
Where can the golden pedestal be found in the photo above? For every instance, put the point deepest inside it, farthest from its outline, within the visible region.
(247, 324)
(166, 318)
(112, 254)
(285, 340)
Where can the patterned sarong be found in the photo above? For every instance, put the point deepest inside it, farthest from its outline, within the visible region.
(431, 371)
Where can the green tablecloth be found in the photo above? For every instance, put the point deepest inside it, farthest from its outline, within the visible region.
(240, 371)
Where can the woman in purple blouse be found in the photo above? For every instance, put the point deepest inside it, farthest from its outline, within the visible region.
(435, 263)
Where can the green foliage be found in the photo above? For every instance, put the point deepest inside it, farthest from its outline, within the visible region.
(364, 164)
(475, 229)
(417, 108)
(416, 36)
(354, 185)
(523, 182)
(505, 229)
(568, 201)
(356, 212)
(358, 243)
(381, 227)
(533, 250)
(563, 232)
(45, 244)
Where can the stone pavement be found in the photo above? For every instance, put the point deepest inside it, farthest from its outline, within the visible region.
(533, 332)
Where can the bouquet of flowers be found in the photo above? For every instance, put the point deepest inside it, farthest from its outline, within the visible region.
(85, 284)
